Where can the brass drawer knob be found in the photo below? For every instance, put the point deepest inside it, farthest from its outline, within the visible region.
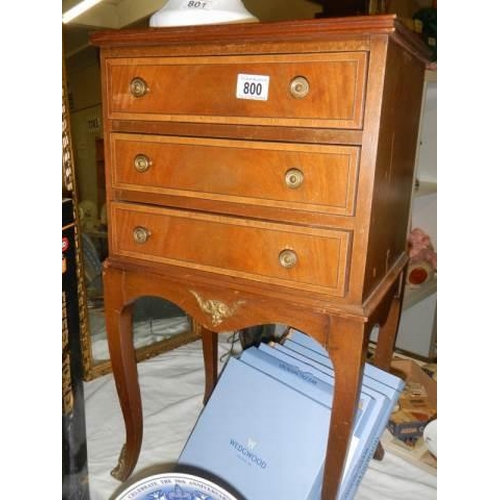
(142, 163)
(294, 178)
(141, 234)
(288, 258)
(138, 87)
(299, 87)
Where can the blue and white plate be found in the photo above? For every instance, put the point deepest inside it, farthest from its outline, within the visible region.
(174, 486)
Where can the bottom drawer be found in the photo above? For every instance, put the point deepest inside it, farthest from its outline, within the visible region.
(301, 257)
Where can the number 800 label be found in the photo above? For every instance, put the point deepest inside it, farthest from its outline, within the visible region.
(255, 87)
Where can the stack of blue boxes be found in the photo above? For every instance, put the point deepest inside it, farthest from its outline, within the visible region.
(263, 433)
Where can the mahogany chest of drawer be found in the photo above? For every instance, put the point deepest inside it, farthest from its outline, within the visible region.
(261, 173)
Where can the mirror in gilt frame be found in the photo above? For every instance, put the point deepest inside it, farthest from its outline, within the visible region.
(158, 325)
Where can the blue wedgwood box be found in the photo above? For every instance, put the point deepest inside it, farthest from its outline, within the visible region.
(246, 437)
(304, 379)
(306, 348)
(319, 353)
(373, 377)
(258, 437)
(373, 408)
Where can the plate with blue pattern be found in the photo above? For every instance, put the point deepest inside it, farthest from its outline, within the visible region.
(175, 486)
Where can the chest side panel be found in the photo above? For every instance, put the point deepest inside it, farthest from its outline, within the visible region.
(395, 160)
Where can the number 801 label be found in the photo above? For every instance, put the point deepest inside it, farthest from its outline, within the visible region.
(195, 4)
(255, 87)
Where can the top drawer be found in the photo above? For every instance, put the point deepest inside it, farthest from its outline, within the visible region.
(307, 90)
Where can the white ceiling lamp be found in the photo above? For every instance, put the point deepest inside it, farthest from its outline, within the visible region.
(195, 12)
(78, 9)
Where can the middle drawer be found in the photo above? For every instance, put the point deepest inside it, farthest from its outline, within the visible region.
(292, 176)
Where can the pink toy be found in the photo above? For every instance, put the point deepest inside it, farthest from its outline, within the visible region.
(423, 258)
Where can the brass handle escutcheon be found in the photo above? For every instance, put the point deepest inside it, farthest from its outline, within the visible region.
(299, 87)
(138, 87)
(142, 163)
(294, 178)
(288, 258)
(141, 234)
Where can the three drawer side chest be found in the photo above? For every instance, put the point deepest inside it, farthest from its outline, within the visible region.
(256, 174)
